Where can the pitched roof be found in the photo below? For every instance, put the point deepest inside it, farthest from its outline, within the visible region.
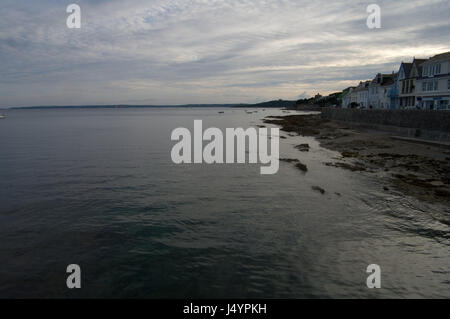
(363, 85)
(442, 56)
(387, 81)
(407, 68)
(419, 61)
(385, 78)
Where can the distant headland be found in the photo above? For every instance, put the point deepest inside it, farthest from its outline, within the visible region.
(269, 104)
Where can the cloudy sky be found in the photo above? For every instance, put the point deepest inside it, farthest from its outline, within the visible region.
(205, 51)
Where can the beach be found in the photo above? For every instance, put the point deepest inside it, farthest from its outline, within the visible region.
(417, 169)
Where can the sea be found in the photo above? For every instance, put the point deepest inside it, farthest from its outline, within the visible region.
(97, 188)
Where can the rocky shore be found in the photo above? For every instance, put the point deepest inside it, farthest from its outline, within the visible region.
(418, 170)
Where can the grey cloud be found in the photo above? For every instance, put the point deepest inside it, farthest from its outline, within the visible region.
(193, 51)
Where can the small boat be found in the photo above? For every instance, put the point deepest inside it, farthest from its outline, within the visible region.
(2, 116)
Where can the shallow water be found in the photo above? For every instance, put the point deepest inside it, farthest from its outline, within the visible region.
(98, 188)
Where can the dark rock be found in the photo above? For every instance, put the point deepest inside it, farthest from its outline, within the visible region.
(303, 125)
(302, 167)
(318, 189)
(442, 193)
(350, 154)
(353, 168)
(303, 147)
(289, 160)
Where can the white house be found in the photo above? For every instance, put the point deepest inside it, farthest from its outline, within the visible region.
(433, 87)
(349, 97)
(353, 97)
(346, 97)
(407, 77)
(379, 91)
(362, 94)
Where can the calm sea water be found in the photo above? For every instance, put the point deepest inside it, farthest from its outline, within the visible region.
(98, 188)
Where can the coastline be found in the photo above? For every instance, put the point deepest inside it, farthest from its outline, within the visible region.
(418, 170)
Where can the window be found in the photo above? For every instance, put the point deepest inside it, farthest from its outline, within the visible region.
(430, 86)
(443, 104)
(410, 86)
(435, 69)
(431, 70)
(448, 84)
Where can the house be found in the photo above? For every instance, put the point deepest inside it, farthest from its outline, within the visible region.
(362, 94)
(379, 89)
(407, 76)
(393, 94)
(347, 97)
(353, 98)
(433, 87)
(386, 84)
(421, 84)
(386, 87)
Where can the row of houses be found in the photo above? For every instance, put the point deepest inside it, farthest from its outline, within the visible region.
(421, 84)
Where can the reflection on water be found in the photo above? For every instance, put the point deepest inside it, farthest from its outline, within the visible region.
(98, 188)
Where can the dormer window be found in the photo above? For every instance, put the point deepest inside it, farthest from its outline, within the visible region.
(437, 68)
(431, 70)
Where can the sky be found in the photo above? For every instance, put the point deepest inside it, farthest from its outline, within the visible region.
(206, 51)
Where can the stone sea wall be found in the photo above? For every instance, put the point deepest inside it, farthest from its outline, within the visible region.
(415, 123)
